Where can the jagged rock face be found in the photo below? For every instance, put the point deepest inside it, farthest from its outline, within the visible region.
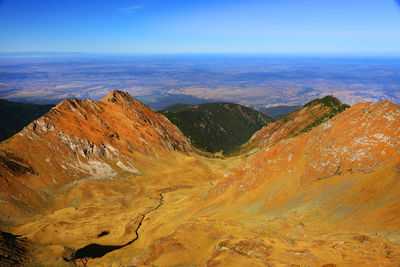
(348, 165)
(83, 139)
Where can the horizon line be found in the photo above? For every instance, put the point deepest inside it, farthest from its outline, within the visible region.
(329, 54)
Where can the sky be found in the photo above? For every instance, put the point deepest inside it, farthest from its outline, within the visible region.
(201, 26)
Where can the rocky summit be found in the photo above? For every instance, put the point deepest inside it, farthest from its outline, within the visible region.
(112, 183)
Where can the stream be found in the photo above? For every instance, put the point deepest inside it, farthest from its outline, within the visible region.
(98, 251)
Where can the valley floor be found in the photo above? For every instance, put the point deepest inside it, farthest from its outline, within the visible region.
(169, 209)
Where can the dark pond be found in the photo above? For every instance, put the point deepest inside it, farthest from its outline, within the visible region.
(94, 251)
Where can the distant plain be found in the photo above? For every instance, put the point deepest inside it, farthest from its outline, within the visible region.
(257, 81)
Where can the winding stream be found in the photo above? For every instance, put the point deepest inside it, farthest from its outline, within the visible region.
(98, 251)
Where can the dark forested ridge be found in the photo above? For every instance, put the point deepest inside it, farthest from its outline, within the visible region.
(15, 116)
(217, 126)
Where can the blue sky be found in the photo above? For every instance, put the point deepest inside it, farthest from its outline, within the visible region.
(201, 26)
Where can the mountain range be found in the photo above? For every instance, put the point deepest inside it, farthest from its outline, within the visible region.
(111, 182)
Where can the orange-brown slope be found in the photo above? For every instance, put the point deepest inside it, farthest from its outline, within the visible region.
(346, 169)
(82, 139)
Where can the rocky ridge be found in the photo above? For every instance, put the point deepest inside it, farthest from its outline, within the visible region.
(300, 121)
(83, 139)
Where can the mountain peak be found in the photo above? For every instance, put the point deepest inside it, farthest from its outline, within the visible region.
(73, 103)
(85, 139)
(116, 96)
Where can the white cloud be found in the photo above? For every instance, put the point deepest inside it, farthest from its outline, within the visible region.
(130, 9)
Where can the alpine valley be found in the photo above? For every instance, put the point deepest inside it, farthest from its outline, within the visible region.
(113, 183)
